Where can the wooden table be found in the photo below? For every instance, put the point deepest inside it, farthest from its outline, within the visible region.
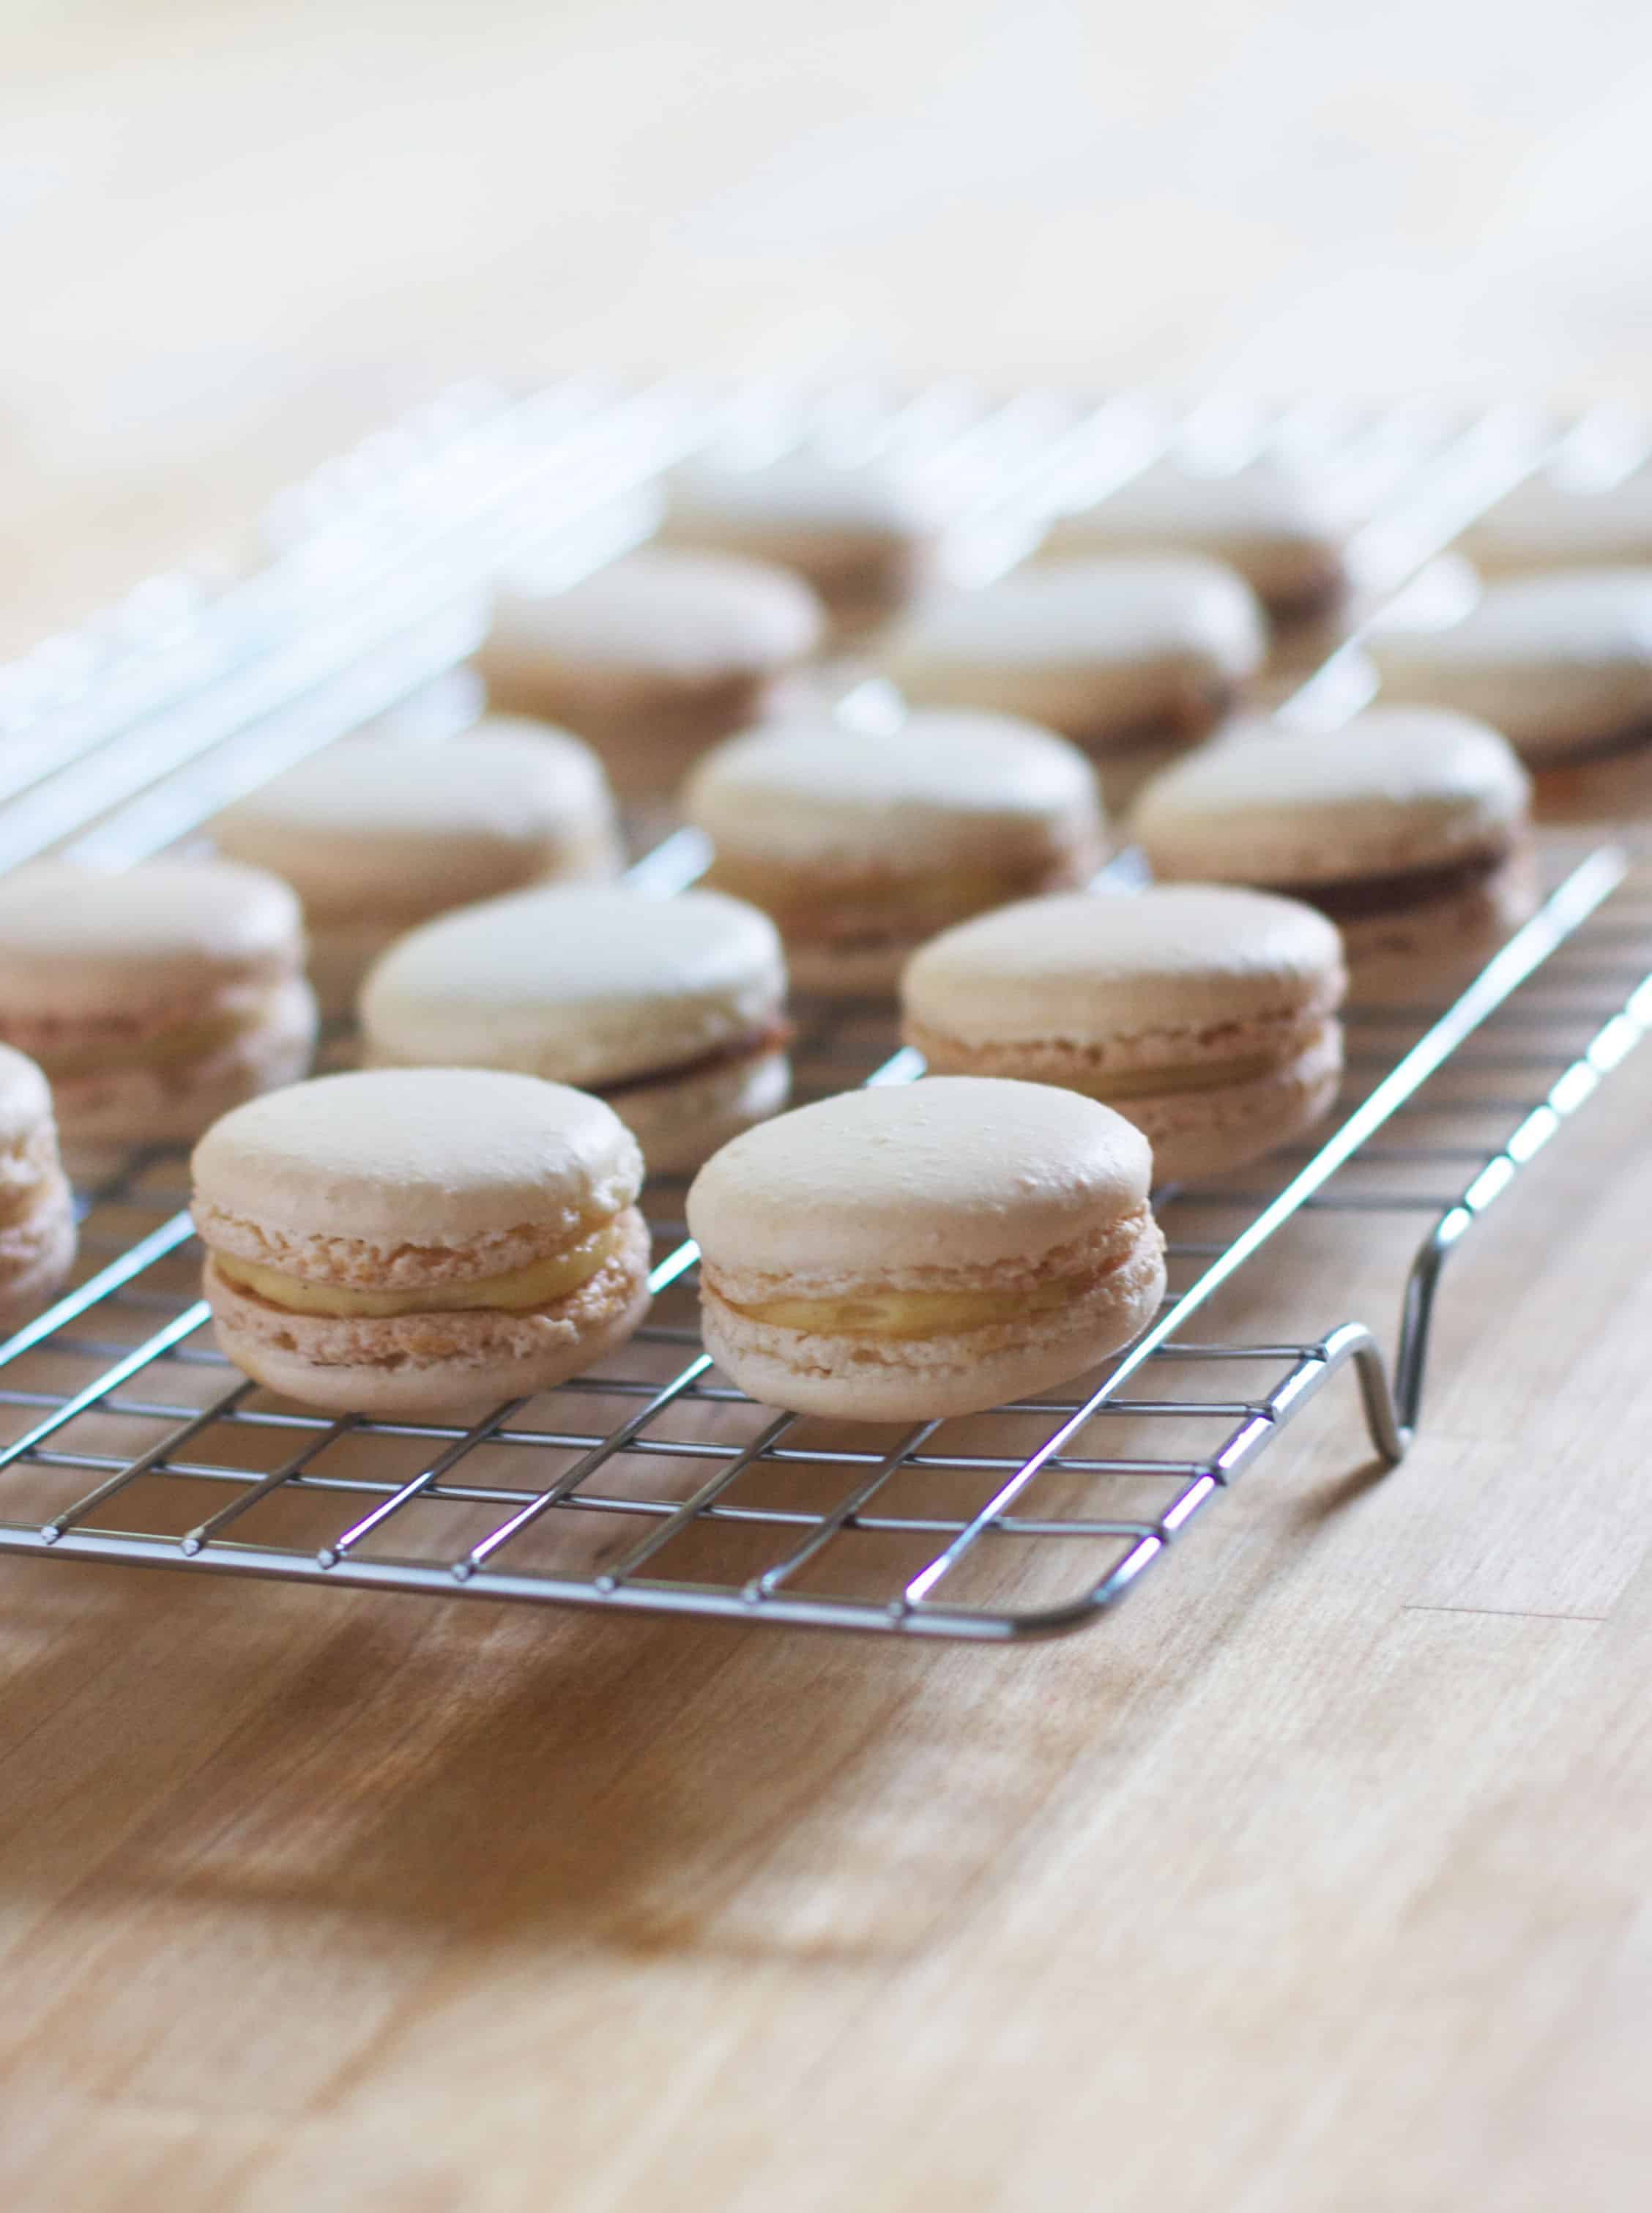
(1316, 1878)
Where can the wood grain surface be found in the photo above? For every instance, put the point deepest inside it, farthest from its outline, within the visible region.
(1315, 1880)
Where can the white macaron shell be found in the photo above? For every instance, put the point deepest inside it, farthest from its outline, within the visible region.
(1083, 614)
(681, 613)
(946, 1174)
(946, 786)
(416, 1157)
(377, 825)
(1395, 789)
(584, 984)
(1548, 658)
(1090, 968)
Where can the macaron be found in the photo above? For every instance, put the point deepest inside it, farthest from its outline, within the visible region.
(1408, 828)
(672, 1011)
(155, 998)
(924, 1249)
(420, 1243)
(1204, 1014)
(862, 844)
(1545, 522)
(1278, 527)
(1120, 655)
(377, 835)
(654, 658)
(37, 1213)
(867, 536)
(1561, 663)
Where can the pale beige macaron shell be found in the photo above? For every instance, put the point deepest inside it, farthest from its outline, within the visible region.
(867, 536)
(37, 1216)
(593, 986)
(849, 820)
(1280, 528)
(1100, 650)
(950, 1184)
(1545, 522)
(669, 611)
(654, 658)
(1205, 977)
(414, 1177)
(446, 1168)
(377, 835)
(1561, 663)
(1393, 789)
(948, 788)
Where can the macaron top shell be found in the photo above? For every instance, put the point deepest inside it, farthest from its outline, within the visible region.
(1543, 519)
(413, 1158)
(950, 1173)
(946, 785)
(590, 984)
(498, 799)
(1584, 619)
(1262, 502)
(1099, 612)
(1086, 968)
(1395, 789)
(804, 491)
(25, 1101)
(685, 615)
(79, 942)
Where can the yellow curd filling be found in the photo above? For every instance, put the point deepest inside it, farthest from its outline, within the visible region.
(517, 1291)
(908, 1314)
(197, 1041)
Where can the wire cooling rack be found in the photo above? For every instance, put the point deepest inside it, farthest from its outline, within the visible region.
(648, 1484)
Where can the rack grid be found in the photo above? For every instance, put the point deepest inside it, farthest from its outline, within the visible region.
(648, 1484)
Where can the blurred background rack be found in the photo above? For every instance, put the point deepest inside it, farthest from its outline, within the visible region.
(647, 1483)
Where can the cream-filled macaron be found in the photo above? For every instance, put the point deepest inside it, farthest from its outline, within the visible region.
(155, 998)
(1545, 522)
(417, 1243)
(37, 1213)
(376, 836)
(1120, 655)
(672, 1011)
(862, 844)
(654, 658)
(1205, 1015)
(1561, 663)
(1408, 828)
(924, 1249)
(1278, 527)
(867, 536)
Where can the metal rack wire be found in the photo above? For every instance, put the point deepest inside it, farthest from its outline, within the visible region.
(648, 1484)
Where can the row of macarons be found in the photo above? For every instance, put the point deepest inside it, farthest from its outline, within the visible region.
(1201, 1018)
(1141, 625)
(431, 1243)
(478, 931)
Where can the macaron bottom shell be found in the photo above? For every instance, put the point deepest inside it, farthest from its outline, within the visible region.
(680, 1122)
(869, 967)
(451, 1364)
(878, 1376)
(1414, 954)
(1233, 1114)
(170, 1102)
